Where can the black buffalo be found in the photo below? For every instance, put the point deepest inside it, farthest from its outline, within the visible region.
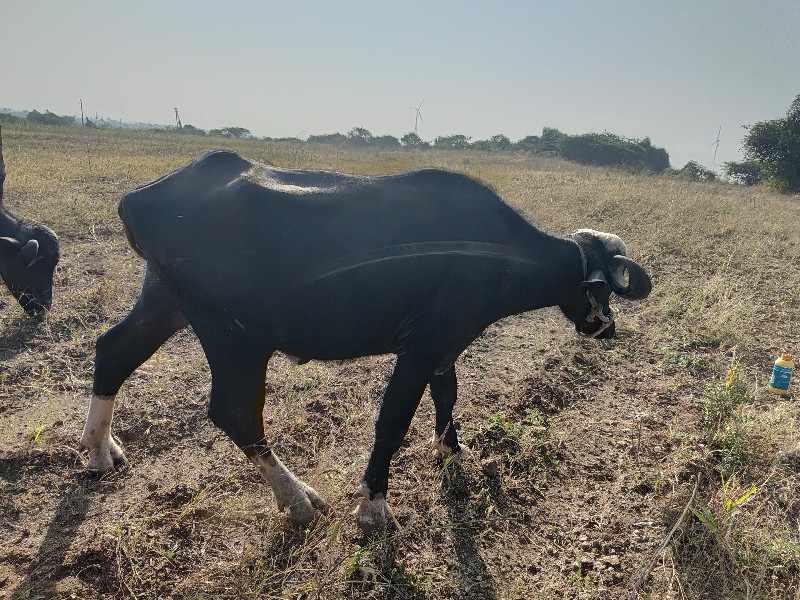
(323, 265)
(28, 256)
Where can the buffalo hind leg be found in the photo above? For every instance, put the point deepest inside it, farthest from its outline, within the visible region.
(443, 388)
(237, 403)
(119, 351)
(400, 402)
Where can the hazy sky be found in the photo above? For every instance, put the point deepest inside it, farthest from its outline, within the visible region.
(671, 70)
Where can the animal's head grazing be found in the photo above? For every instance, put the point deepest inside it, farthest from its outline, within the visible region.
(606, 269)
(28, 257)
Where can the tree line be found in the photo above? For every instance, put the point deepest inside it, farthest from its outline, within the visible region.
(605, 149)
(771, 148)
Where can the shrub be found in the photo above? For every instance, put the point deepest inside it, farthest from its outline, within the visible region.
(605, 149)
(744, 173)
(696, 172)
(48, 118)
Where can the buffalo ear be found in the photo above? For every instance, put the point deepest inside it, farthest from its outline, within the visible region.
(9, 244)
(27, 254)
(595, 281)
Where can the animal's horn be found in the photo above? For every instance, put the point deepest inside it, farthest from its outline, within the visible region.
(638, 285)
(27, 254)
(2, 166)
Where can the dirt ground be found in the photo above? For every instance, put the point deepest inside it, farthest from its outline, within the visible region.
(568, 505)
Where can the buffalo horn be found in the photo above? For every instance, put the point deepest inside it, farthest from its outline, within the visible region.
(638, 285)
(27, 254)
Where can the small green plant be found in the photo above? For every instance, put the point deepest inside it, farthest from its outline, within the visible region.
(722, 422)
(37, 435)
(684, 361)
(723, 397)
(502, 428)
(719, 524)
(581, 580)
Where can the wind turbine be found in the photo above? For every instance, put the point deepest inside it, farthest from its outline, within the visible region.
(418, 117)
(716, 144)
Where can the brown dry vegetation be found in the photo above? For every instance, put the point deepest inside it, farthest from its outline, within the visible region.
(654, 466)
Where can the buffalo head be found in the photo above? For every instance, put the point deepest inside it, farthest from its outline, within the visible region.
(606, 269)
(28, 256)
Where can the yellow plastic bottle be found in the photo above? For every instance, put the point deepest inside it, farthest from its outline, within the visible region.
(781, 375)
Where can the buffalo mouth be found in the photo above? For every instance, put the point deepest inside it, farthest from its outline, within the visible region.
(592, 329)
(33, 306)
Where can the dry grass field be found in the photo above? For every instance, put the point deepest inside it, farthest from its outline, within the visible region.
(653, 466)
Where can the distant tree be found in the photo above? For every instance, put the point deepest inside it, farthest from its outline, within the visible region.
(500, 142)
(329, 139)
(530, 143)
(237, 132)
(608, 149)
(452, 142)
(604, 149)
(745, 173)
(775, 145)
(551, 139)
(495, 143)
(385, 141)
(696, 172)
(656, 159)
(48, 118)
(191, 130)
(412, 141)
(290, 140)
(10, 119)
(358, 137)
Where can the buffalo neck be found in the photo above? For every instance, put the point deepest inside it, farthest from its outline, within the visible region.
(9, 225)
(555, 268)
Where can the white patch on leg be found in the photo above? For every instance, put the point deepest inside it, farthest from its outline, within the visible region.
(300, 499)
(103, 450)
(373, 515)
(442, 451)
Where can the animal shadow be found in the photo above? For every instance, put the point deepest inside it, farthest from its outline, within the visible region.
(474, 578)
(17, 337)
(48, 564)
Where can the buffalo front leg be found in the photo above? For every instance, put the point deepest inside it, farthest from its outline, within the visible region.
(400, 402)
(119, 351)
(237, 404)
(104, 452)
(443, 388)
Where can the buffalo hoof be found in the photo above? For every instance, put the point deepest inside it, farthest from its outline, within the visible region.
(373, 515)
(302, 503)
(106, 456)
(442, 451)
